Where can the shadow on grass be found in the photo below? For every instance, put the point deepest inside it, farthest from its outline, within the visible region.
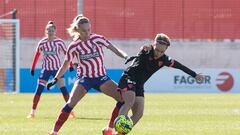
(88, 118)
(80, 118)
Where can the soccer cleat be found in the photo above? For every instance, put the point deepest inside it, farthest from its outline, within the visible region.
(31, 116)
(105, 131)
(71, 115)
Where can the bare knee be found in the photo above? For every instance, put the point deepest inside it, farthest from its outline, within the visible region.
(129, 103)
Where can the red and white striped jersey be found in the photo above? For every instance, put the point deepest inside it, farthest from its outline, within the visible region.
(89, 55)
(51, 52)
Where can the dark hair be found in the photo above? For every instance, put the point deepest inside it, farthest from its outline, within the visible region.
(82, 20)
(76, 18)
(50, 24)
(162, 38)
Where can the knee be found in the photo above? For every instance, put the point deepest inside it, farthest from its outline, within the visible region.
(129, 103)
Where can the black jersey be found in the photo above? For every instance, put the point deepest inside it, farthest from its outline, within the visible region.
(145, 65)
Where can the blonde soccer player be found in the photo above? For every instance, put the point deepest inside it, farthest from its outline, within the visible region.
(87, 48)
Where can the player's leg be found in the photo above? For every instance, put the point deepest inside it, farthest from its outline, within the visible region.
(129, 99)
(127, 87)
(78, 91)
(109, 128)
(42, 80)
(109, 87)
(137, 109)
(138, 106)
(61, 85)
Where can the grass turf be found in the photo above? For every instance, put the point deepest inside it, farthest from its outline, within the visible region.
(165, 114)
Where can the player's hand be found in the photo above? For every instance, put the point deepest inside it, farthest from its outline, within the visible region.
(146, 48)
(130, 59)
(199, 77)
(32, 72)
(71, 69)
(51, 83)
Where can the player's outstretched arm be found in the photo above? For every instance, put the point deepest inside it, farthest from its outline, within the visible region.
(118, 51)
(60, 73)
(187, 70)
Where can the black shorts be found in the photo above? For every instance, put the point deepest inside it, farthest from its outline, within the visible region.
(127, 83)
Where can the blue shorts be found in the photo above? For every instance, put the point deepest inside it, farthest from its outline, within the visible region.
(89, 83)
(46, 74)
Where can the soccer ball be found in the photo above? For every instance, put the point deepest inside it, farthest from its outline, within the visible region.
(123, 124)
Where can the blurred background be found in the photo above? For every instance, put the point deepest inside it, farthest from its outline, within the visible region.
(205, 37)
(138, 19)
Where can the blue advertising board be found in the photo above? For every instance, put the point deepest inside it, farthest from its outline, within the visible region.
(28, 83)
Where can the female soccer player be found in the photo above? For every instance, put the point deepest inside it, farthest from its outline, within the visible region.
(87, 48)
(149, 60)
(51, 48)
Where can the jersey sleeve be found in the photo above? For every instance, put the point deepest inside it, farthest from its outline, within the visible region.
(102, 41)
(175, 64)
(39, 47)
(36, 55)
(106, 42)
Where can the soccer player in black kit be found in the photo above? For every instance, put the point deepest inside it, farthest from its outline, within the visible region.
(149, 60)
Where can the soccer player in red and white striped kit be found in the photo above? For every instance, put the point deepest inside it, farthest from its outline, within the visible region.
(51, 47)
(87, 48)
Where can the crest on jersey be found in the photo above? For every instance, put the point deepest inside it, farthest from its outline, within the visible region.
(160, 63)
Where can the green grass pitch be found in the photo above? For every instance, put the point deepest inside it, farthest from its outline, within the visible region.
(165, 114)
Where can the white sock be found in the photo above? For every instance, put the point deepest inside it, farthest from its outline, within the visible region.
(54, 132)
(33, 111)
(109, 128)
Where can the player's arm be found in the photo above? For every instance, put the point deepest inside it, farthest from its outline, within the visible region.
(185, 69)
(62, 69)
(117, 51)
(68, 58)
(64, 51)
(60, 73)
(175, 64)
(34, 62)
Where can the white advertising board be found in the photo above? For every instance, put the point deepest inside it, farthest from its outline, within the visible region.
(171, 80)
